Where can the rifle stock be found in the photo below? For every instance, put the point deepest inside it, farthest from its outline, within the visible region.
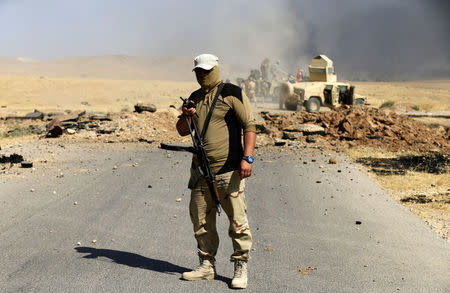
(178, 147)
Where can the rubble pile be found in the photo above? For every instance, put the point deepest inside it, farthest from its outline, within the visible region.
(360, 125)
(146, 124)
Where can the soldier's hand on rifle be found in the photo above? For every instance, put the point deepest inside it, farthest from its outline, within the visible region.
(189, 109)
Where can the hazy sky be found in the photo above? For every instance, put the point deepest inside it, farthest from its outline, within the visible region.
(358, 35)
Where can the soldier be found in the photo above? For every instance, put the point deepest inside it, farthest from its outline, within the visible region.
(265, 69)
(230, 162)
(275, 70)
(255, 74)
(265, 87)
(251, 90)
(242, 83)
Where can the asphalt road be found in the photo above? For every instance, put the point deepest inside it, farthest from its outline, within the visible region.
(303, 218)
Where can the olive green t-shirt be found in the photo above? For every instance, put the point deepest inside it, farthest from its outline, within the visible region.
(231, 116)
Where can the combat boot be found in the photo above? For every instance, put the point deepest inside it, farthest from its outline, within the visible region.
(205, 271)
(240, 275)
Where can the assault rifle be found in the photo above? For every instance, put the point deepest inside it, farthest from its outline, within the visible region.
(198, 149)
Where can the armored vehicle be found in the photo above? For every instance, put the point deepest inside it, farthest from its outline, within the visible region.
(322, 89)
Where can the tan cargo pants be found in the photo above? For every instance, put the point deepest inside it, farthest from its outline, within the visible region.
(203, 216)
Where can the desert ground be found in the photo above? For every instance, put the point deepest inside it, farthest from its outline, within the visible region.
(425, 193)
(20, 94)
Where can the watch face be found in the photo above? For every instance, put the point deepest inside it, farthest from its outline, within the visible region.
(250, 159)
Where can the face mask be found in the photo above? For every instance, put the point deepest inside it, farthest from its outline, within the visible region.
(210, 79)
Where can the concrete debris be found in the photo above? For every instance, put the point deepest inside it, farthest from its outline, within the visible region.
(100, 117)
(54, 128)
(36, 114)
(140, 107)
(290, 136)
(261, 128)
(69, 124)
(306, 129)
(26, 164)
(52, 115)
(106, 130)
(71, 117)
(13, 159)
(145, 140)
(310, 139)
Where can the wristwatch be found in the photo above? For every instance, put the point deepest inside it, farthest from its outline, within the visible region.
(249, 159)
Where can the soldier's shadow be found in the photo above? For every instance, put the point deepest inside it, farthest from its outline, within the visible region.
(138, 261)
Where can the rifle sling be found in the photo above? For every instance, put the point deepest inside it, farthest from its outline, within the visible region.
(208, 117)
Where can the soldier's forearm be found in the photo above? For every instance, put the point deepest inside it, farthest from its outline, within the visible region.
(249, 143)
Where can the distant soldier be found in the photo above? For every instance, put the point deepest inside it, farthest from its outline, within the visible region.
(241, 83)
(265, 88)
(275, 70)
(255, 74)
(251, 90)
(265, 64)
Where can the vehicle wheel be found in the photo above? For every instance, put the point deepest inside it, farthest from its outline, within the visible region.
(359, 101)
(292, 107)
(312, 105)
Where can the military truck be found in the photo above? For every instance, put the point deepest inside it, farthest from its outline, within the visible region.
(322, 89)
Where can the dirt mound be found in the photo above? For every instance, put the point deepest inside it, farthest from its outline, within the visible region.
(355, 126)
(364, 126)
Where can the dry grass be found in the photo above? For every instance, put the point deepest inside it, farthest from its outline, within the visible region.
(435, 188)
(435, 122)
(427, 95)
(24, 94)
(411, 181)
(415, 182)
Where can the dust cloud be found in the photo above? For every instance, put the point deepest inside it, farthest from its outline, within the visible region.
(367, 40)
